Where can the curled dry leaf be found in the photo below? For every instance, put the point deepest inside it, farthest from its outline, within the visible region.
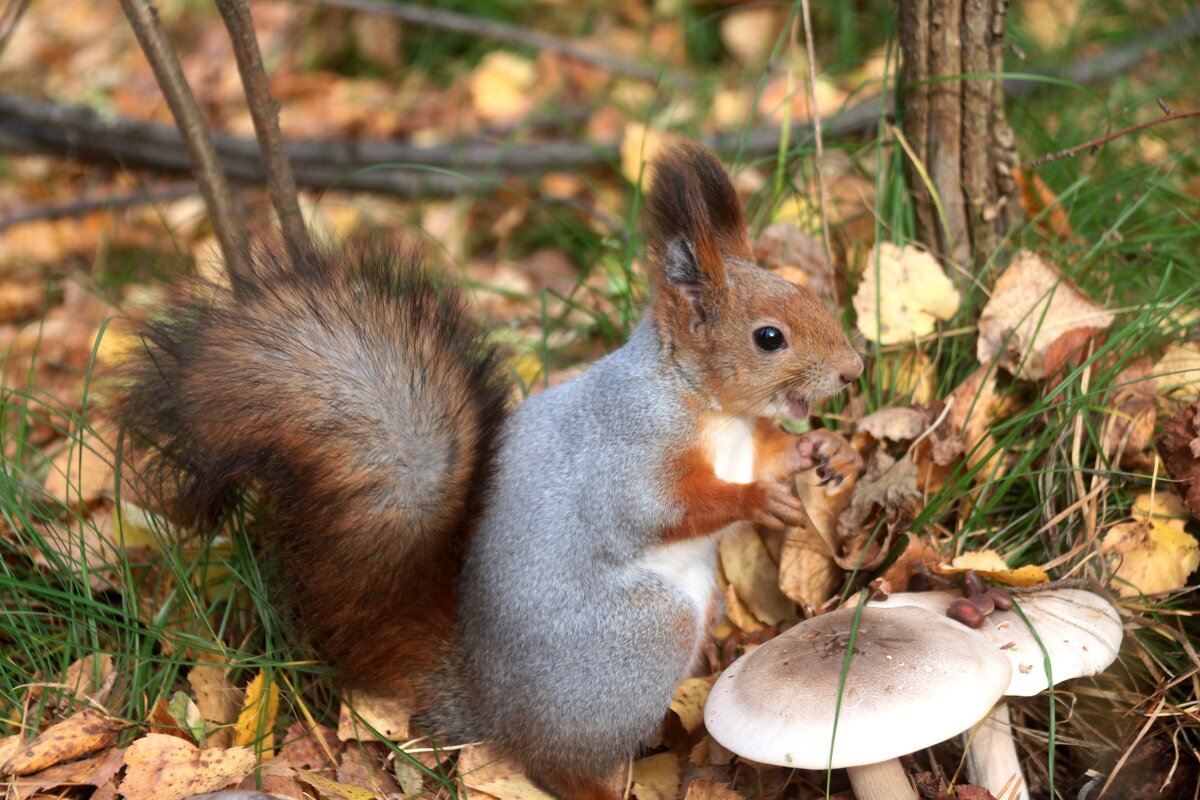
(483, 769)
(902, 294)
(78, 735)
(711, 790)
(808, 570)
(1178, 372)
(163, 721)
(1150, 557)
(992, 567)
(754, 575)
(365, 765)
(909, 373)
(893, 424)
(161, 767)
(310, 748)
(689, 699)
(369, 711)
(656, 777)
(1180, 452)
(1031, 306)
(87, 678)
(96, 771)
(916, 552)
(974, 406)
(329, 788)
(888, 488)
(257, 718)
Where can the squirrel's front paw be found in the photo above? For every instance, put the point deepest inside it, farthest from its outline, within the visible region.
(831, 455)
(775, 506)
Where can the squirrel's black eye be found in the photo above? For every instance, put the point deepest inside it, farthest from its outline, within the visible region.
(769, 338)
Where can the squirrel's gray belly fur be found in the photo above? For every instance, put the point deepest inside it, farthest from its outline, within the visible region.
(580, 674)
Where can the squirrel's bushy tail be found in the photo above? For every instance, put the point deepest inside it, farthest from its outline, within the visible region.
(356, 394)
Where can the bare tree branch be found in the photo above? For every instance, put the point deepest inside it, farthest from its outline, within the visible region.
(503, 32)
(264, 111)
(87, 205)
(9, 18)
(167, 71)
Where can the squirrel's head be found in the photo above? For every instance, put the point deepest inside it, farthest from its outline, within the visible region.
(754, 342)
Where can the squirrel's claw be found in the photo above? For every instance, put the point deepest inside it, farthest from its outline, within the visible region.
(779, 508)
(831, 455)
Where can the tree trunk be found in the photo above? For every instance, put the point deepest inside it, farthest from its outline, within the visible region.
(956, 127)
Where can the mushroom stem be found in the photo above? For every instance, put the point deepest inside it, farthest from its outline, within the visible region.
(992, 761)
(883, 781)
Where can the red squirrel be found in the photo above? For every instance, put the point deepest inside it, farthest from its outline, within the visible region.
(537, 577)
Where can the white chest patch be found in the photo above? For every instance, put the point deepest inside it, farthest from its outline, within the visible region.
(690, 566)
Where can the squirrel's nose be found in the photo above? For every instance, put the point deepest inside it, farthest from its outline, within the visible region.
(850, 367)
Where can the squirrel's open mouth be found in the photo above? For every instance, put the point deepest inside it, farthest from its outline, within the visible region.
(798, 407)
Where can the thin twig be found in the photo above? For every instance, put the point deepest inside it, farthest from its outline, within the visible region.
(230, 234)
(1070, 152)
(88, 205)
(503, 32)
(281, 185)
(816, 126)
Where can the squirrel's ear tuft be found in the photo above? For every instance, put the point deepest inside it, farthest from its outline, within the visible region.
(694, 219)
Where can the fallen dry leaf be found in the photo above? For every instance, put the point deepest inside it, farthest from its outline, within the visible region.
(1031, 306)
(639, 146)
(484, 770)
(888, 488)
(1150, 557)
(992, 567)
(902, 295)
(78, 735)
(1133, 413)
(501, 86)
(1161, 505)
(750, 33)
(364, 765)
(916, 553)
(787, 250)
(161, 721)
(218, 700)
(257, 718)
(754, 575)
(83, 470)
(911, 374)
(329, 788)
(159, 767)
(95, 771)
(974, 406)
(656, 777)
(1180, 452)
(893, 424)
(735, 610)
(367, 711)
(711, 790)
(688, 703)
(310, 748)
(1178, 372)
(83, 680)
(808, 570)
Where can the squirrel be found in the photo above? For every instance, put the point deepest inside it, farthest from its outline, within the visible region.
(538, 577)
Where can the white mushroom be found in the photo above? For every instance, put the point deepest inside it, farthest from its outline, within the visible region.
(1081, 632)
(915, 678)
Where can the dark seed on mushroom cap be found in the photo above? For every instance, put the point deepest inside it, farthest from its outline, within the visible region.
(964, 611)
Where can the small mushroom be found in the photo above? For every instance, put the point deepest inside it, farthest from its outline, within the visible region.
(915, 678)
(1081, 633)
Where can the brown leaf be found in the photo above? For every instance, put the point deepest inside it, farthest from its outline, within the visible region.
(218, 700)
(95, 771)
(1031, 306)
(1134, 411)
(893, 424)
(363, 765)
(483, 770)
(916, 552)
(81, 733)
(975, 403)
(310, 748)
(965, 791)
(83, 470)
(159, 767)
(83, 680)
(1069, 351)
(889, 487)
(710, 790)
(749, 569)
(1180, 452)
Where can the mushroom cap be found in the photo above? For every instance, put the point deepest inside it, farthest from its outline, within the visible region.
(1081, 631)
(915, 679)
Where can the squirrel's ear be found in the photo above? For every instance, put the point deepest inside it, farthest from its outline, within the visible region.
(695, 222)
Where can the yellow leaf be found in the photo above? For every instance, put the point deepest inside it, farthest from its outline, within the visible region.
(910, 371)
(161, 767)
(1150, 557)
(500, 86)
(331, 788)
(688, 703)
(383, 713)
(257, 716)
(1178, 371)
(1162, 506)
(992, 567)
(217, 699)
(657, 777)
(902, 294)
(639, 146)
